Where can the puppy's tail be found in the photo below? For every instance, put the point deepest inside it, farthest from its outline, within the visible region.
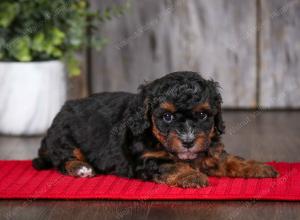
(42, 162)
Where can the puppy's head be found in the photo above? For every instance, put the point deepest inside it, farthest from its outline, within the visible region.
(183, 111)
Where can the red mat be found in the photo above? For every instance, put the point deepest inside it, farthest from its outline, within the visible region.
(18, 180)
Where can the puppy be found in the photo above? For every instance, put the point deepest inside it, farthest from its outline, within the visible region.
(170, 132)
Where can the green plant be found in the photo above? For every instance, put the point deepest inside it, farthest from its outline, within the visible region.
(38, 30)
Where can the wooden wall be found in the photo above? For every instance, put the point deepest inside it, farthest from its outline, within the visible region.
(252, 47)
(280, 53)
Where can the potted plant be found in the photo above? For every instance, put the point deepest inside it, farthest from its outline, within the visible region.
(39, 40)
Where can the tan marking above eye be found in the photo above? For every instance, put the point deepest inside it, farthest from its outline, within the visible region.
(201, 107)
(168, 106)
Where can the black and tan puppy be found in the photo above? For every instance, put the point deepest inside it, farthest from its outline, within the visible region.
(168, 133)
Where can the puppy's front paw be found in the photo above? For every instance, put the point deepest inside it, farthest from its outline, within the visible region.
(192, 180)
(181, 175)
(261, 170)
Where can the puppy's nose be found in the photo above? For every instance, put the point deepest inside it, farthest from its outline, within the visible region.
(188, 144)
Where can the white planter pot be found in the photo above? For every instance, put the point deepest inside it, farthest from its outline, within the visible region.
(31, 94)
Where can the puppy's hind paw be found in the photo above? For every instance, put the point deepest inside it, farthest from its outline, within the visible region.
(79, 169)
(85, 171)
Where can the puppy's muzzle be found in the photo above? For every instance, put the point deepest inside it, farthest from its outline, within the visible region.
(187, 137)
(188, 143)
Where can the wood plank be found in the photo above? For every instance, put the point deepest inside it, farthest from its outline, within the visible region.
(119, 210)
(158, 37)
(280, 54)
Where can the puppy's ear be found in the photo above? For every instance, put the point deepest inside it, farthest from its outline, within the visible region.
(138, 119)
(217, 102)
(219, 123)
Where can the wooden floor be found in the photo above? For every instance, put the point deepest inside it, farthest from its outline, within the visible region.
(258, 135)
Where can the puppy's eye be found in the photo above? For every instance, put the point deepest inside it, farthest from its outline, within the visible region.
(168, 117)
(202, 116)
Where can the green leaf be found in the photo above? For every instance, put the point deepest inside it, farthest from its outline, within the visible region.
(56, 52)
(38, 42)
(82, 4)
(49, 43)
(19, 48)
(8, 12)
(73, 66)
(57, 36)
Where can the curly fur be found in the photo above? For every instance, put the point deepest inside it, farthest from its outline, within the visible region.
(124, 134)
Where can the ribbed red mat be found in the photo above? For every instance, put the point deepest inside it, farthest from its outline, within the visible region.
(18, 180)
